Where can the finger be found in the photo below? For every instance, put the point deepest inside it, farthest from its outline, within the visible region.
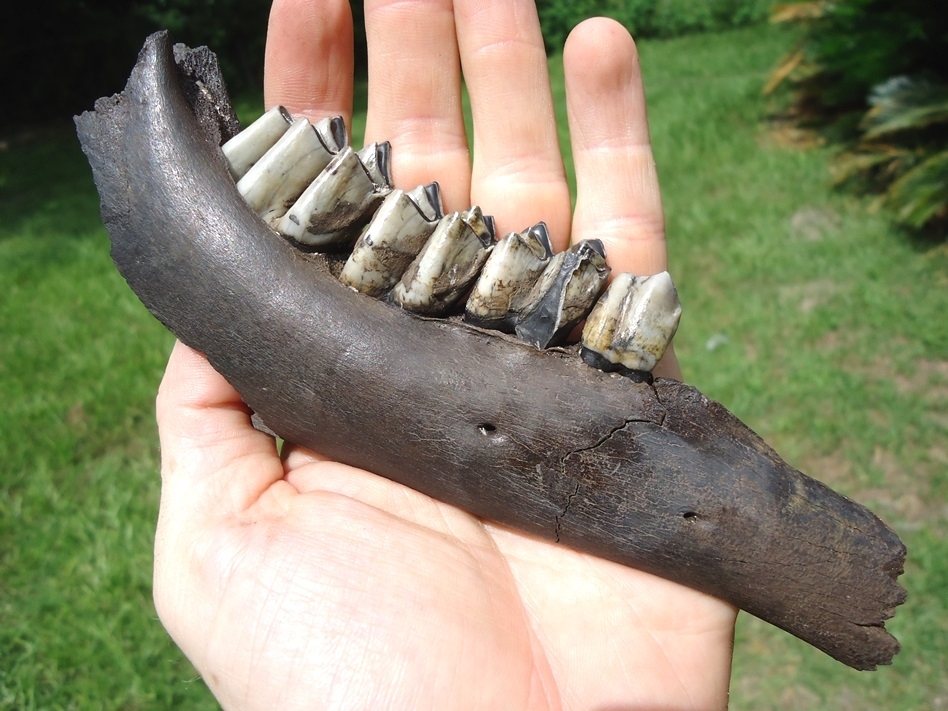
(308, 62)
(212, 458)
(518, 173)
(415, 95)
(618, 198)
(295, 457)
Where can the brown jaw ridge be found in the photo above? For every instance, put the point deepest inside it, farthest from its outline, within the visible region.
(650, 474)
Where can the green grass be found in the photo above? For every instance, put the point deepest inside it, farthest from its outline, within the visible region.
(824, 329)
(814, 321)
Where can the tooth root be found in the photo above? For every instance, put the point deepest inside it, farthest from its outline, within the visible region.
(508, 277)
(632, 324)
(248, 146)
(447, 265)
(564, 294)
(337, 204)
(393, 238)
(278, 178)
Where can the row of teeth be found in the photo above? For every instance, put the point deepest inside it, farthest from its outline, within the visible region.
(311, 186)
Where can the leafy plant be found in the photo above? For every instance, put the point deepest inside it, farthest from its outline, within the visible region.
(873, 74)
(902, 150)
(650, 18)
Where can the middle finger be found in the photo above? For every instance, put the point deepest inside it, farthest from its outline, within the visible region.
(518, 170)
(415, 95)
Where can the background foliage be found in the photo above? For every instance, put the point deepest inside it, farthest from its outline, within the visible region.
(59, 56)
(650, 18)
(63, 54)
(873, 76)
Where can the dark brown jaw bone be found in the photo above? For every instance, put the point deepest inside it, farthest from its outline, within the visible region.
(654, 476)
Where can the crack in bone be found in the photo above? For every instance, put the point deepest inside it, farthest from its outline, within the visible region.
(569, 501)
(558, 520)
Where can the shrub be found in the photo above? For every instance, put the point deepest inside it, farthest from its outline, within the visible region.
(650, 18)
(873, 74)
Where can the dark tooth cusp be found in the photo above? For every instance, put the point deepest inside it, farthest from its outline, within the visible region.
(564, 295)
(599, 362)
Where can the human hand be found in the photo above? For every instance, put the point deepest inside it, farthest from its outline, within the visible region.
(298, 582)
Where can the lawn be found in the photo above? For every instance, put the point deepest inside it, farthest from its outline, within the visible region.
(812, 319)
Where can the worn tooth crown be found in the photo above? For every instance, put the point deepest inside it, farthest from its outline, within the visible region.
(342, 198)
(450, 261)
(632, 324)
(278, 178)
(248, 146)
(509, 274)
(393, 238)
(377, 159)
(332, 133)
(564, 294)
(426, 262)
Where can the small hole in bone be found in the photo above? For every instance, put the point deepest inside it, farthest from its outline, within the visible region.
(486, 428)
(690, 516)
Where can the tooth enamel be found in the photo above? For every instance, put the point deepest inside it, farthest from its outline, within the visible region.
(393, 239)
(377, 159)
(336, 206)
(276, 180)
(564, 294)
(248, 146)
(448, 264)
(508, 277)
(428, 262)
(632, 324)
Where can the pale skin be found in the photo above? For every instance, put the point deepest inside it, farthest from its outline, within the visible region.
(297, 582)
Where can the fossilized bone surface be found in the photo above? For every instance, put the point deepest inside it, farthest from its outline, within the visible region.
(654, 476)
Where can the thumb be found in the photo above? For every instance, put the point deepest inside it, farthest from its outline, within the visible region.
(213, 461)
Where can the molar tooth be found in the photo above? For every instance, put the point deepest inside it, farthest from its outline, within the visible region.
(508, 277)
(248, 146)
(564, 294)
(632, 324)
(276, 180)
(338, 203)
(394, 237)
(448, 264)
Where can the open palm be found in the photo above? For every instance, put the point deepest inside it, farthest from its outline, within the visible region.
(296, 582)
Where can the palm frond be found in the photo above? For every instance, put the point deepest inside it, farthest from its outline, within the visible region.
(881, 158)
(921, 194)
(798, 11)
(788, 63)
(904, 104)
